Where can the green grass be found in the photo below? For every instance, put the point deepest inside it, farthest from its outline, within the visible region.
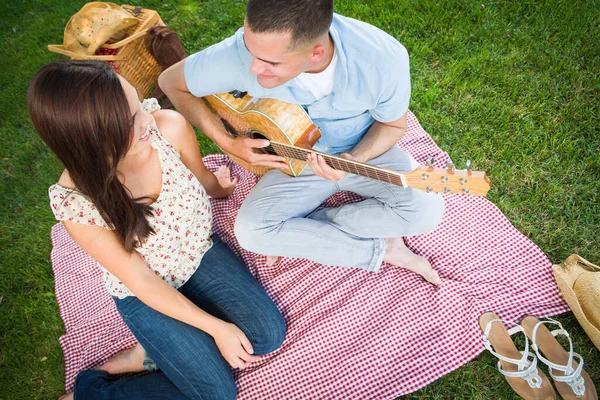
(513, 86)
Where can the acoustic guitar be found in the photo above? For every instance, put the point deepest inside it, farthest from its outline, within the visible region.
(292, 134)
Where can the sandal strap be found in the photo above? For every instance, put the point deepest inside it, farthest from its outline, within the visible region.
(530, 374)
(527, 370)
(570, 376)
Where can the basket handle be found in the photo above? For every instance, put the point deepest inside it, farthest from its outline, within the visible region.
(123, 42)
(76, 56)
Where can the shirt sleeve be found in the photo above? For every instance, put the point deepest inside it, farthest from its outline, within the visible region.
(395, 92)
(216, 69)
(70, 205)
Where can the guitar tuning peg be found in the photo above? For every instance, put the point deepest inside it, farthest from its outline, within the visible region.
(429, 162)
(449, 165)
(468, 165)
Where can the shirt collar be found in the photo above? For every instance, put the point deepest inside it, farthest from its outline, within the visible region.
(340, 82)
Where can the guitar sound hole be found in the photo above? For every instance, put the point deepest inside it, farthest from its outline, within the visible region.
(228, 127)
(264, 150)
(254, 134)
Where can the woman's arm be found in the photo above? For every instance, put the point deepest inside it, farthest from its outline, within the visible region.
(104, 246)
(174, 127)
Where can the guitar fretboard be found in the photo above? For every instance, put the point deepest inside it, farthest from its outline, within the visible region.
(339, 163)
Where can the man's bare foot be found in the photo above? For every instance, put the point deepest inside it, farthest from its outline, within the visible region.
(271, 260)
(396, 253)
(68, 396)
(130, 360)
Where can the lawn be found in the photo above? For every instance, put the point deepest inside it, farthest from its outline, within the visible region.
(512, 86)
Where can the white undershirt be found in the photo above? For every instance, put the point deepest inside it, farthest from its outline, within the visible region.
(319, 84)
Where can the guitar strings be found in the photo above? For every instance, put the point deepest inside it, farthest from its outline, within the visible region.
(336, 163)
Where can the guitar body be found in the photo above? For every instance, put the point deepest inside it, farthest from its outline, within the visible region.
(265, 118)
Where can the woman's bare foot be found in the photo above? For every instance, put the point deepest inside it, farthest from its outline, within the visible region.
(130, 360)
(271, 260)
(68, 396)
(396, 253)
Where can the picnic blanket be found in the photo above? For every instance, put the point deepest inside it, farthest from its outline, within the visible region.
(351, 334)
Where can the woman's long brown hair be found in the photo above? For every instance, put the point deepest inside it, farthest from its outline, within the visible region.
(80, 111)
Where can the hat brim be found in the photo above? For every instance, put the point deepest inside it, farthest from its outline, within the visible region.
(565, 276)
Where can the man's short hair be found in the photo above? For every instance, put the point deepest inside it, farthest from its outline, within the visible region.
(306, 20)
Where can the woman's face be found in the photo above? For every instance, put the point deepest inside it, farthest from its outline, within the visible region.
(140, 140)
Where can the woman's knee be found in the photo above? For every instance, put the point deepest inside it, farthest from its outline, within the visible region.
(229, 391)
(224, 389)
(277, 330)
(270, 333)
(209, 383)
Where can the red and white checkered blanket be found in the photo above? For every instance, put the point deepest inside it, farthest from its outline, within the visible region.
(351, 334)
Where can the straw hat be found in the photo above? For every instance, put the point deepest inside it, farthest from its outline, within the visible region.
(579, 283)
(93, 25)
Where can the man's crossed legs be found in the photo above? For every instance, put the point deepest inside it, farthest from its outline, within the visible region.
(280, 217)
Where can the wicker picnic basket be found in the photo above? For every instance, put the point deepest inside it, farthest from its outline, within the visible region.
(132, 60)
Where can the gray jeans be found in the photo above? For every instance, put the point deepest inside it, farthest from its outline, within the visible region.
(280, 216)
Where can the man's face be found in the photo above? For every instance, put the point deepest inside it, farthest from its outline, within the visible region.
(273, 63)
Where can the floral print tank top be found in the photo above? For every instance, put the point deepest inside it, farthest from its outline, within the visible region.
(182, 219)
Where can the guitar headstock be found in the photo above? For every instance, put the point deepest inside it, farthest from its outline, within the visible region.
(448, 180)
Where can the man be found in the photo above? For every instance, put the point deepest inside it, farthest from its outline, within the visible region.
(353, 80)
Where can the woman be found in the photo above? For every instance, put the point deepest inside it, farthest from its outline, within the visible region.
(134, 195)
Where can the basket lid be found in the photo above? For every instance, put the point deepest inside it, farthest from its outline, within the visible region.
(93, 25)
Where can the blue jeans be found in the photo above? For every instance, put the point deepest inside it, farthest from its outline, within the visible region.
(280, 216)
(191, 366)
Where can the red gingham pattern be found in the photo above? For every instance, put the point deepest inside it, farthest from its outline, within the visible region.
(351, 334)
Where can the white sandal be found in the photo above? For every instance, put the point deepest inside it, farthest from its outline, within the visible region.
(571, 380)
(518, 367)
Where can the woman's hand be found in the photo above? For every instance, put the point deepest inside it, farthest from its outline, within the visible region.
(223, 175)
(234, 345)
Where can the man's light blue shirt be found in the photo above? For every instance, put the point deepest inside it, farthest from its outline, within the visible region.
(371, 81)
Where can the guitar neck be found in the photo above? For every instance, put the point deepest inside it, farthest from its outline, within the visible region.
(365, 170)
